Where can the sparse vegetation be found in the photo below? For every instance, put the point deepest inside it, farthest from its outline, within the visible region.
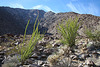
(26, 51)
(94, 36)
(69, 31)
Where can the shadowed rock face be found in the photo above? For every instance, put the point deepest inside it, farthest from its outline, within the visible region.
(13, 20)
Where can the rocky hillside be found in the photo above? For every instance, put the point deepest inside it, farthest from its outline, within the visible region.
(13, 20)
(52, 19)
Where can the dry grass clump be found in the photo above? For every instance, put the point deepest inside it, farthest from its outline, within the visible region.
(53, 59)
(60, 59)
(11, 61)
(9, 65)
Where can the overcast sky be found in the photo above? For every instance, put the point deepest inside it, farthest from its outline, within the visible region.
(78, 6)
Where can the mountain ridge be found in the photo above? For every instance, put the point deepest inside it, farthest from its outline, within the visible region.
(14, 20)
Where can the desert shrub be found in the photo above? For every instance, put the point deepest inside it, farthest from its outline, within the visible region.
(26, 51)
(94, 36)
(68, 31)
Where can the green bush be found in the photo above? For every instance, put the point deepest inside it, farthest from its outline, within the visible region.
(26, 51)
(69, 31)
(94, 36)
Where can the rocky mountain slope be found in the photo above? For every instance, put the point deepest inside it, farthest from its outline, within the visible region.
(51, 21)
(13, 20)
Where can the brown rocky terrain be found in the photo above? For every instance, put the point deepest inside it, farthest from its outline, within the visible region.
(49, 52)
